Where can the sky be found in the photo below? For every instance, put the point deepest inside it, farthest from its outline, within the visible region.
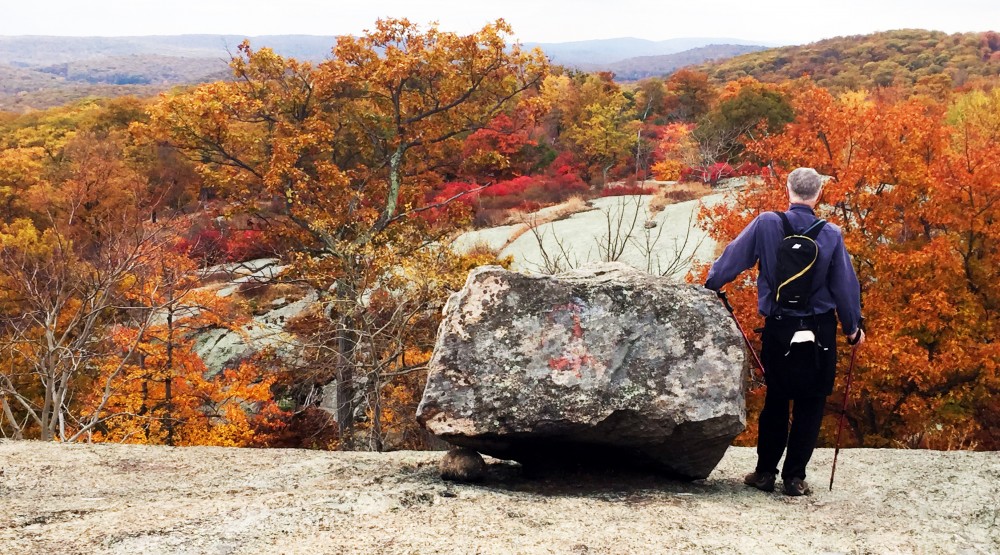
(766, 21)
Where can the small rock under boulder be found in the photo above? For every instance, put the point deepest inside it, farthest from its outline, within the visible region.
(463, 465)
(600, 366)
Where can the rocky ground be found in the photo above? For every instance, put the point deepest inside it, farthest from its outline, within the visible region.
(137, 499)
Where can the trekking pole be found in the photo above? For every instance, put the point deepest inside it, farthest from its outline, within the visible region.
(843, 408)
(729, 307)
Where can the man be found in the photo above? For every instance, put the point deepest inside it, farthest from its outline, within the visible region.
(799, 372)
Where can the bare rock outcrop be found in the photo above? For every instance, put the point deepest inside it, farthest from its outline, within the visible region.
(603, 365)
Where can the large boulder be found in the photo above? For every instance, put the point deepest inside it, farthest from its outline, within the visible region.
(602, 365)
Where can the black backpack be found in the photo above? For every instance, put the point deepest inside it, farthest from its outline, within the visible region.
(796, 264)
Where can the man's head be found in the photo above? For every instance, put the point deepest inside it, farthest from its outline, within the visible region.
(804, 186)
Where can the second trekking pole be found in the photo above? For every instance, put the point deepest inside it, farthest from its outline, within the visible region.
(843, 408)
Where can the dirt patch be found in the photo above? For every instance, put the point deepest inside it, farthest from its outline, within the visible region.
(138, 499)
(677, 192)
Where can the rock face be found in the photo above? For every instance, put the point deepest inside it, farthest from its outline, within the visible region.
(581, 233)
(222, 348)
(603, 365)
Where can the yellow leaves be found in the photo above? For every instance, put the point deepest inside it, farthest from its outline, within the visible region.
(33, 251)
(855, 100)
(732, 88)
(21, 167)
(978, 109)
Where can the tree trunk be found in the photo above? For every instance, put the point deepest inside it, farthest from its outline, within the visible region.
(168, 382)
(376, 432)
(9, 415)
(395, 182)
(345, 344)
(144, 408)
(47, 409)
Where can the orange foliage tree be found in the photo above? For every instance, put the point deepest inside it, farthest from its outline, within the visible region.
(675, 151)
(155, 389)
(916, 189)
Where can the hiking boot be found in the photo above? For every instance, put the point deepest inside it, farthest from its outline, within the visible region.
(796, 487)
(764, 481)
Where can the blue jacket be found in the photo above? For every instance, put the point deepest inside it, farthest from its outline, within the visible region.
(838, 287)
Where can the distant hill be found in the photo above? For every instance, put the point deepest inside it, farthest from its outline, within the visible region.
(901, 57)
(40, 71)
(633, 69)
(24, 88)
(34, 51)
(15, 79)
(604, 52)
(140, 69)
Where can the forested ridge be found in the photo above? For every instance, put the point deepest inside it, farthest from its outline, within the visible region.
(902, 58)
(354, 174)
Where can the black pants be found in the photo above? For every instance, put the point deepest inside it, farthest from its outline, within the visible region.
(799, 375)
(773, 434)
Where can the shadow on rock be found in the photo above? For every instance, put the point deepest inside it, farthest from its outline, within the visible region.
(584, 481)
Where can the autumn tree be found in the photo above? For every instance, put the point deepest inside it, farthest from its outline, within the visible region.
(689, 95)
(503, 149)
(155, 389)
(676, 151)
(650, 102)
(56, 300)
(746, 110)
(598, 123)
(340, 156)
(77, 199)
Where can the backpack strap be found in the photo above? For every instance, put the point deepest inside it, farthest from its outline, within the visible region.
(811, 232)
(785, 223)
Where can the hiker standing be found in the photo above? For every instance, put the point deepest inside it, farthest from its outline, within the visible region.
(805, 275)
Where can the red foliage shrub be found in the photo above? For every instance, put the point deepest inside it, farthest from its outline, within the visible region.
(566, 164)
(203, 242)
(527, 192)
(247, 244)
(213, 243)
(719, 171)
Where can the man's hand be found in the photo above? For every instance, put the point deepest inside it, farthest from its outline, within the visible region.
(857, 338)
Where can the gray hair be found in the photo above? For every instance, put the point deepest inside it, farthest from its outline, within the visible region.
(805, 183)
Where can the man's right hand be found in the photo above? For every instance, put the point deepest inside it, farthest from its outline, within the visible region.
(857, 338)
